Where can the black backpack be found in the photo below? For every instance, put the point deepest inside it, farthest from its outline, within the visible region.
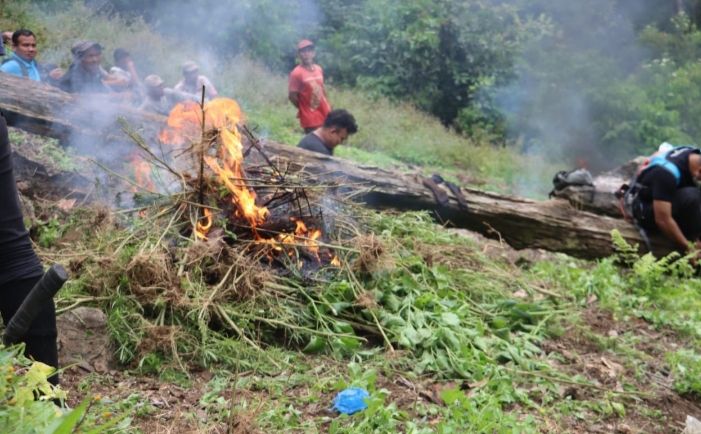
(563, 179)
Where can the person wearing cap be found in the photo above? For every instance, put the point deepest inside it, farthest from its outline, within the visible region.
(85, 74)
(193, 82)
(22, 62)
(158, 98)
(306, 89)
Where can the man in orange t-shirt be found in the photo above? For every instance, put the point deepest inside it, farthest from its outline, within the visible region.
(306, 89)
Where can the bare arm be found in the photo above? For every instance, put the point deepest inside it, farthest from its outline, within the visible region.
(294, 98)
(132, 70)
(669, 227)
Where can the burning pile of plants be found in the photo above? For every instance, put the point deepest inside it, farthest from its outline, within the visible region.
(218, 248)
(225, 262)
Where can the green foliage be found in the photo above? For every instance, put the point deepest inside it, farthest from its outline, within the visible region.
(22, 381)
(686, 369)
(264, 29)
(125, 323)
(477, 413)
(49, 232)
(664, 292)
(481, 414)
(437, 54)
(457, 323)
(681, 43)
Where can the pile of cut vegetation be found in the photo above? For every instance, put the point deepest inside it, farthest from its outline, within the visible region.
(240, 259)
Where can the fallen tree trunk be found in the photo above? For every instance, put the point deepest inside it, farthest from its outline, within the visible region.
(42, 109)
(552, 225)
(35, 179)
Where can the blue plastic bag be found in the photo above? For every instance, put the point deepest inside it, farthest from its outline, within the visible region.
(351, 400)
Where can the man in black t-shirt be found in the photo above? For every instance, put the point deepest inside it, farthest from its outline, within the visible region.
(339, 124)
(669, 199)
(20, 268)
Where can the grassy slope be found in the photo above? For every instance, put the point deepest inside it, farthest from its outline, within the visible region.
(560, 385)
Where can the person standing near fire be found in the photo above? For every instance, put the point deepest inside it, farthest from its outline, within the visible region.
(85, 75)
(306, 89)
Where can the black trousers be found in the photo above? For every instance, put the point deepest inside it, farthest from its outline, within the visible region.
(686, 211)
(40, 340)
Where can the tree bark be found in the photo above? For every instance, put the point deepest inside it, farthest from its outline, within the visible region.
(552, 225)
(42, 109)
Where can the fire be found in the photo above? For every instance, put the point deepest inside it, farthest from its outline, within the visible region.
(202, 228)
(308, 238)
(223, 115)
(185, 120)
(184, 124)
(231, 174)
(142, 173)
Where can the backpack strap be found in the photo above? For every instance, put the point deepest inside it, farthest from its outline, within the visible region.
(22, 66)
(662, 161)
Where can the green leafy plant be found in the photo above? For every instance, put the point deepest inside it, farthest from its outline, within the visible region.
(686, 369)
(27, 402)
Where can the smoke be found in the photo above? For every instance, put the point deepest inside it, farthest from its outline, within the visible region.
(549, 107)
(218, 35)
(220, 30)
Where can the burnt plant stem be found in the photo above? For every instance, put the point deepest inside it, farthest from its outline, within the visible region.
(255, 143)
(202, 146)
(139, 141)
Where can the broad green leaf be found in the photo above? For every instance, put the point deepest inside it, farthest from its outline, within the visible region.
(69, 421)
(315, 345)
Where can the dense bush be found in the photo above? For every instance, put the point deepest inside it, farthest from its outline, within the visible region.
(438, 54)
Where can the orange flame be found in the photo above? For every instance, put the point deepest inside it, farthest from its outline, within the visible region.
(222, 114)
(185, 120)
(142, 173)
(232, 176)
(184, 124)
(335, 261)
(202, 228)
(304, 236)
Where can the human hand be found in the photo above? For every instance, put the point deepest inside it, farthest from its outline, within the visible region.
(695, 251)
(56, 73)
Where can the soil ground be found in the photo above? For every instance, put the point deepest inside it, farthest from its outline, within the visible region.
(612, 354)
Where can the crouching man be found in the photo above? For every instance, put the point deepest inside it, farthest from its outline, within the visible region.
(665, 196)
(339, 124)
